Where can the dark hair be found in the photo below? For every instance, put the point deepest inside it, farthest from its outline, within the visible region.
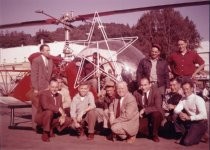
(84, 83)
(42, 46)
(189, 81)
(178, 80)
(146, 78)
(53, 80)
(157, 46)
(109, 86)
(183, 39)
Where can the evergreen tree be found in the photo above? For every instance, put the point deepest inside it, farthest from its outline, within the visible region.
(165, 27)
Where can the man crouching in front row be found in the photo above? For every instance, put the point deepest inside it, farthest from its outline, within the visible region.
(50, 113)
(124, 115)
(82, 111)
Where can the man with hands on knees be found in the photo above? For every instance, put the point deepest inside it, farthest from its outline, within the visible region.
(103, 104)
(192, 116)
(150, 106)
(124, 115)
(82, 110)
(50, 114)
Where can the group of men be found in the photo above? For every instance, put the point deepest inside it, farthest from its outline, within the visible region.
(125, 114)
(185, 110)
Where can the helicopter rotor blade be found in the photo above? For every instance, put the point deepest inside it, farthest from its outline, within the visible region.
(107, 13)
(29, 23)
(55, 21)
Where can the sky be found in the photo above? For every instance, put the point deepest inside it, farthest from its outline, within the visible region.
(13, 11)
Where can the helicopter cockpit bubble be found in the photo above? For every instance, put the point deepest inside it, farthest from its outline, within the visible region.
(109, 57)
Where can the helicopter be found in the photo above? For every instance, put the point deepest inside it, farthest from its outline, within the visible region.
(70, 68)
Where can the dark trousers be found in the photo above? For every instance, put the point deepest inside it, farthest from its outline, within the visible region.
(67, 111)
(192, 131)
(152, 121)
(49, 120)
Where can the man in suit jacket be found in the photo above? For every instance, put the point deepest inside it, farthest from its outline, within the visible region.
(41, 71)
(50, 113)
(150, 106)
(124, 115)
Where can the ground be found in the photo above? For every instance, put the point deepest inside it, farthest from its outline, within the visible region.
(15, 139)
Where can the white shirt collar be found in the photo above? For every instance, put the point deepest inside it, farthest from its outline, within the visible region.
(121, 101)
(190, 96)
(44, 59)
(147, 93)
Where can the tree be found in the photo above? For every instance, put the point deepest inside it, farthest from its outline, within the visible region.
(13, 39)
(165, 27)
(58, 35)
(43, 35)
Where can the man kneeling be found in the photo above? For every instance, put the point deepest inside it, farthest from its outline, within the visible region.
(83, 111)
(50, 113)
(124, 115)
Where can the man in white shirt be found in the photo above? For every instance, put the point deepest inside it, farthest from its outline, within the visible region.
(192, 121)
(66, 99)
(82, 110)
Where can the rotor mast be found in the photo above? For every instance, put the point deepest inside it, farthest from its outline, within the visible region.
(67, 51)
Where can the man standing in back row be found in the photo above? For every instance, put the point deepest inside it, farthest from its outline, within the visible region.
(155, 68)
(41, 71)
(183, 62)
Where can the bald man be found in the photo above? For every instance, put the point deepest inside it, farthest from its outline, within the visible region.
(124, 115)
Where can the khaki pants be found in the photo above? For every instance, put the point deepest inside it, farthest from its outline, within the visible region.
(90, 118)
(102, 116)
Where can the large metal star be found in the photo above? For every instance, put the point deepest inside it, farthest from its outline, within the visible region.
(110, 57)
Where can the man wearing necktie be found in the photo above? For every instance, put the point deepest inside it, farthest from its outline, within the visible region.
(124, 115)
(50, 113)
(150, 106)
(41, 71)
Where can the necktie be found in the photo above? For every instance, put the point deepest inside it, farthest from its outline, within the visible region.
(46, 62)
(145, 100)
(54, 97)
(118, 109)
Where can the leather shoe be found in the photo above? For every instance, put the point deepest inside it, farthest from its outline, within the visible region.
(80, 132)
(45, 137)
(90, 136)
(111, 137)
(51, 133)
(156, 139)
(205, 138)
(131, 139)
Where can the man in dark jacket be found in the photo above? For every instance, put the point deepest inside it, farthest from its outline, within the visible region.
(155, 68)
(150, 106)
(50, 113)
